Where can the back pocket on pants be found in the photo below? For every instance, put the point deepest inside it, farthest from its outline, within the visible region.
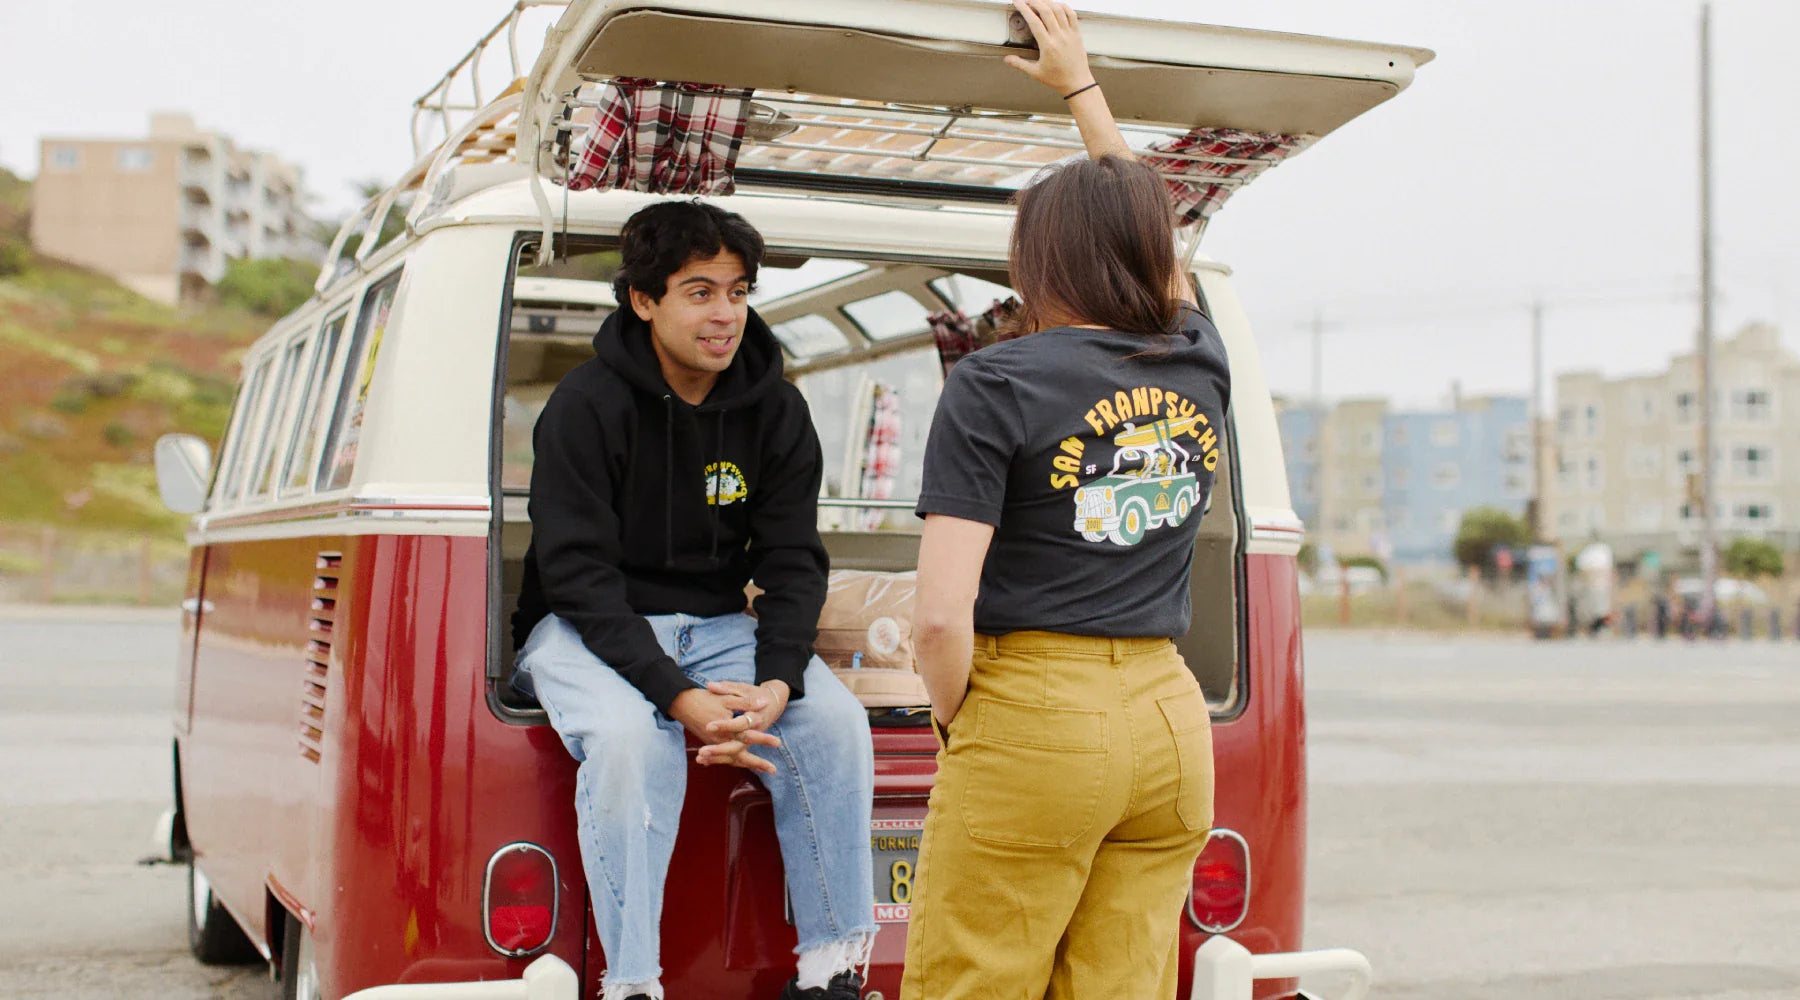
(1190, 725)
(1034, 773)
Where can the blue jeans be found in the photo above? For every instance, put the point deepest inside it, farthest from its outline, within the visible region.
(633, 778)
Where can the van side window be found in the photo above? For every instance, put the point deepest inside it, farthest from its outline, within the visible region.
(234, 473)
(297, 473)
(281, 400)
(338, 458)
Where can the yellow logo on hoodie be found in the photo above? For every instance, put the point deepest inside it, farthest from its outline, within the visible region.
(725, 483)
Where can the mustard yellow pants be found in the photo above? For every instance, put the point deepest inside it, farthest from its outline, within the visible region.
(1074, 792)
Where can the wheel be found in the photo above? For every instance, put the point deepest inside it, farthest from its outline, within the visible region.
(1184, 505)
(1094, 536)
(213, 933)
(1134, 520)
(299, 967)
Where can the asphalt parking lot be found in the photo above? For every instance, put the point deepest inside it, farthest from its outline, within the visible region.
(1490, 818)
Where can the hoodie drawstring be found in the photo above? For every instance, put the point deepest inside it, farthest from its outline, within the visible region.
(668, 482)
(717, 501)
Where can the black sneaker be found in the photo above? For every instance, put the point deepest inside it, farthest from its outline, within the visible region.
(843, 986)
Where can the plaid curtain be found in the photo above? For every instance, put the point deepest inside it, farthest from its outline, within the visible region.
(663, 138)
(1198, 198)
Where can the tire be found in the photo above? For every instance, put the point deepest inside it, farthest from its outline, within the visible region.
(1134, 520)
(299, 967)
(1094, 536)
(213, 933)
(1184, 505)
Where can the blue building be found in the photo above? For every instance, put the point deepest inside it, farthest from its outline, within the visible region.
(1436, 465)
(1395, 484)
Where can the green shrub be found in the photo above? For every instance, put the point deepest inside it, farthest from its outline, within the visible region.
(1482, 530)
(69, 402)
(1749, 558)
(270, 286)
(15, 257)
(1370, 561)
(118, 435)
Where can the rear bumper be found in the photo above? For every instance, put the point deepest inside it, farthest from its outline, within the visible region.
(548, 978)
(1226, 970)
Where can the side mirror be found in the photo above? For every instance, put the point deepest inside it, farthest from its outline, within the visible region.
(183, 471)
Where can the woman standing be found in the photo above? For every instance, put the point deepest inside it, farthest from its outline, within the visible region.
(1065, 477)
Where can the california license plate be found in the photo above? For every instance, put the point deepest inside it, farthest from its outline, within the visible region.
(894, 845)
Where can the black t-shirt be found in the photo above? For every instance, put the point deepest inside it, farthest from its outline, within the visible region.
(1093, 453)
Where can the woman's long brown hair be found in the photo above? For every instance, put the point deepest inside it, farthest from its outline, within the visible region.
(1093, 244)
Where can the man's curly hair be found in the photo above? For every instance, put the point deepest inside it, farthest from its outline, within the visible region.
(659, 240)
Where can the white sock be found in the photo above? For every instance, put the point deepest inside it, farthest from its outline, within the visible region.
(619, 991)
(818, 965)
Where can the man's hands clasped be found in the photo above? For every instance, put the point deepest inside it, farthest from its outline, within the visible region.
(731, 718)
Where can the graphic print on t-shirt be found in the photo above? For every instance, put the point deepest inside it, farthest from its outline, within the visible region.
(725, 484)
(1150, 485)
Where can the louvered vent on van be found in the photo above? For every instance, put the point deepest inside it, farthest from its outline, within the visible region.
(319, 629)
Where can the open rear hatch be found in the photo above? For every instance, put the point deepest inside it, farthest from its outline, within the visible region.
(910, 99)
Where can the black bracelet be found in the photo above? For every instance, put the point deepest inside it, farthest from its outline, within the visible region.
(1079, 90)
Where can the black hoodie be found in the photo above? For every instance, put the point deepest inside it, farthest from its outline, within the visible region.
(624, 519)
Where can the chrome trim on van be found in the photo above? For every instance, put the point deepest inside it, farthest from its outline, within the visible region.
(1195, 919)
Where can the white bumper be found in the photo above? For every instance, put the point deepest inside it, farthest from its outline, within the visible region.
(1226, 970)
(548, 978)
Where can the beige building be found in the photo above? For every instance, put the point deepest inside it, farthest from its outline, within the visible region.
(1627, 451)
(1350, 480)
(163, 213)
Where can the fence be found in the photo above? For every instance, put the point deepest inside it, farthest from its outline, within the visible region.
(45, 565)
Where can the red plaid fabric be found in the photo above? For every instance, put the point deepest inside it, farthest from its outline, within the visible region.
(1197, 198)
(663, 138)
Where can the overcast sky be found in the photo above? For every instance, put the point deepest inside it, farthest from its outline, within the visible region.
(1549, 151)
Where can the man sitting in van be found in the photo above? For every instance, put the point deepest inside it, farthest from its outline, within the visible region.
(672, 469)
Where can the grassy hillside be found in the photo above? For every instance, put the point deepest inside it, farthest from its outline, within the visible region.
(90, 375)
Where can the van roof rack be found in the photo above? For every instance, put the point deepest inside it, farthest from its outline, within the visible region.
(478, 126)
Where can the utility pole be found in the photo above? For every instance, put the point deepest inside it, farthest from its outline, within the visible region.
(1536, 509)
(1709, 541)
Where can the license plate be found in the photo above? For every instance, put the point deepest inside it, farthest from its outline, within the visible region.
(1093, 524)
(894, 846)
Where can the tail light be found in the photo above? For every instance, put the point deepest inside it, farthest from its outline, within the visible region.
(1221, 895)
(519, 899)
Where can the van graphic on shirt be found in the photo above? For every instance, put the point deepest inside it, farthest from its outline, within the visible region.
(1149, 487)
(725, 484)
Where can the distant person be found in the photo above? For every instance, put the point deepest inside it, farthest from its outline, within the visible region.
(1074, 792)
(672, 469)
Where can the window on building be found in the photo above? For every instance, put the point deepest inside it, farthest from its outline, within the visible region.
(1565, 420)
(1750, 404)
(1516, 484)
(1646, 516)
(1371, 484)
(1596, 518)
(1444, 434)
(1590, 417)
(1752, 462)
(1595, 474)
(1370, 439)
(1517, 444)
(136, 159)
(1446, 476)
(1754, 514)
(1647, 406)
(65, 158)
(1397, 434)
(1565, 474)
(1684, 406)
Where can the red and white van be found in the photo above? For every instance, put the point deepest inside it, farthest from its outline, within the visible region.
(360, 798)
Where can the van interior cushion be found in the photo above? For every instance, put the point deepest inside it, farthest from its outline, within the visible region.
(866, 636)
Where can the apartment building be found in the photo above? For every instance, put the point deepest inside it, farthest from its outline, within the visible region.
(163, 213)
(1370, 480)
(1627, 451)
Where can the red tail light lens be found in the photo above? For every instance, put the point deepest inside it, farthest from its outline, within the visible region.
(1221, 895)
(519, 899)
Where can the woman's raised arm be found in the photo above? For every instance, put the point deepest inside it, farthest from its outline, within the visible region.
(1062, 65)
